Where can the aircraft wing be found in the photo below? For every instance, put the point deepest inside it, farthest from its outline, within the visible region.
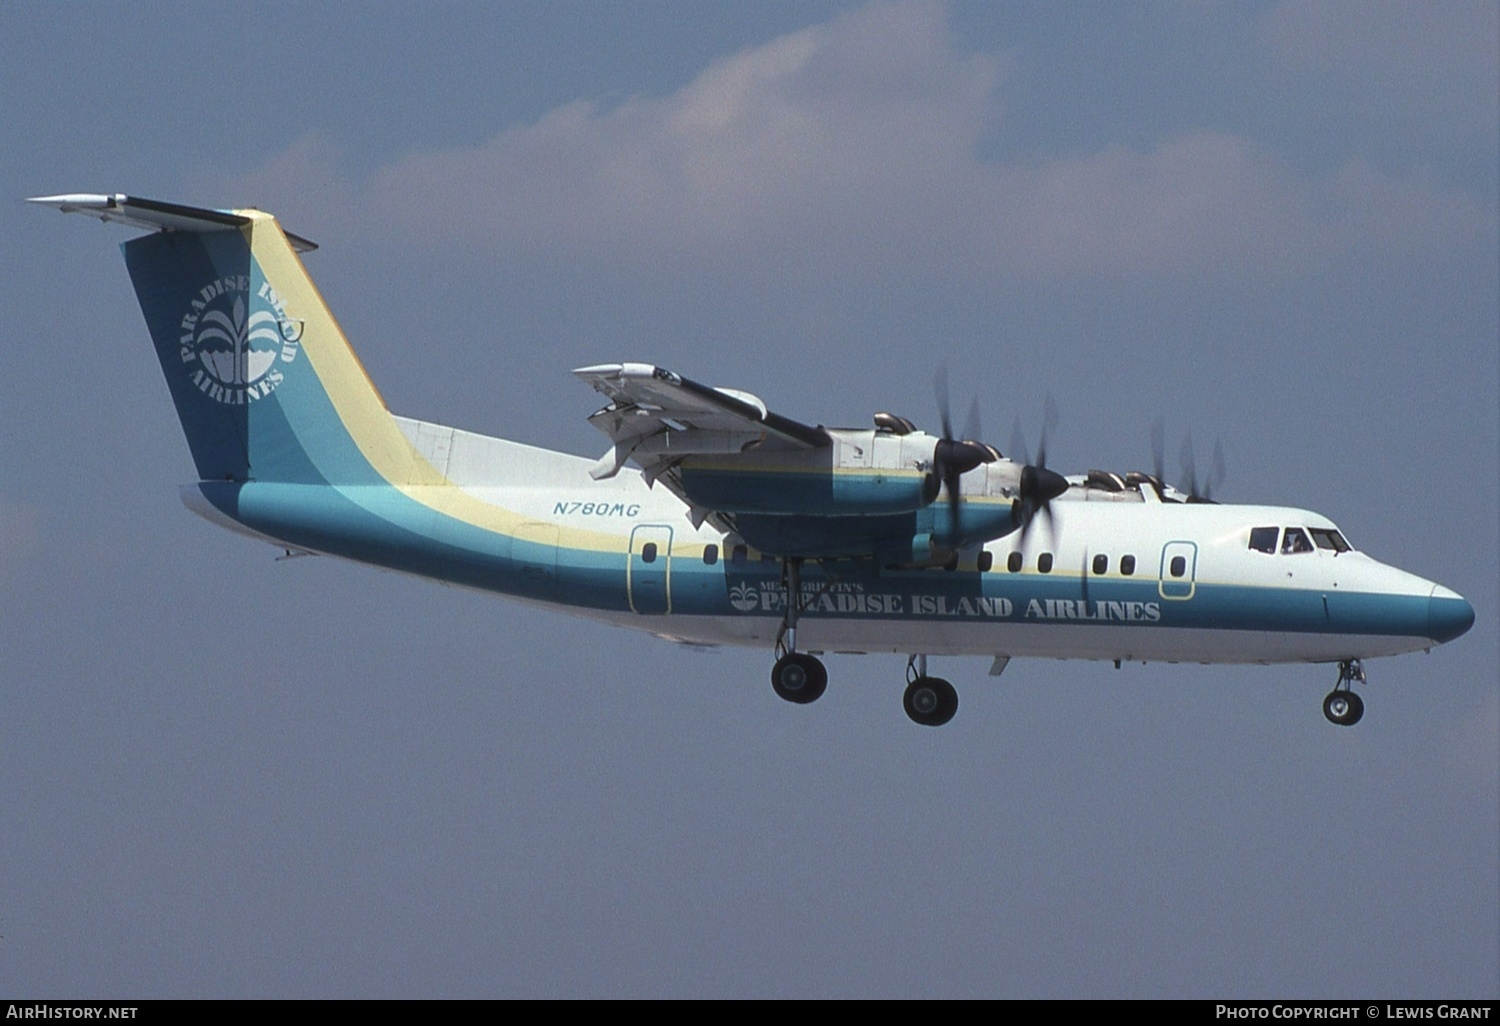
(656, 417)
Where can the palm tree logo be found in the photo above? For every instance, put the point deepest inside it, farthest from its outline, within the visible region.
(743, 597)
(233, 349)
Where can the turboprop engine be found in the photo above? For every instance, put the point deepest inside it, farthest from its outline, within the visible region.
(870, 493)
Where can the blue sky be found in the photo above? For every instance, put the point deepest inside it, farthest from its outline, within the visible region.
(1271, 224)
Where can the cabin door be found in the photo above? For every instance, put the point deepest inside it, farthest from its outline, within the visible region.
(648, 577)
(1179, 569)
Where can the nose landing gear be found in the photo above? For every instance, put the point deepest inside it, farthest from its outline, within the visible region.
(1341, 705)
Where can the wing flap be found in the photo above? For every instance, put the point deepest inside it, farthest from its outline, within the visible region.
(656, 418)
(649, 400)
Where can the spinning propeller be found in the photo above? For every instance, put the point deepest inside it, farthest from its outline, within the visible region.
(1039, 486)
(952, 458)
(1188, 465)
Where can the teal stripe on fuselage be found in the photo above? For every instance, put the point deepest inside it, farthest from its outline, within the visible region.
(380, 525)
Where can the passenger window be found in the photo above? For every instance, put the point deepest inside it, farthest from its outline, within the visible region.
(1178, 566)
(1044, 563)
(1327, 539)
(738, 555)
(1295, 541)
(710, 554)
(1127, 565)
(1101, 564)
(1263, 539)
(1013, 562)
(986, 562)
(648, 552)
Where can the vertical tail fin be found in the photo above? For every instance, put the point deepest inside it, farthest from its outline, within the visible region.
(265, 384)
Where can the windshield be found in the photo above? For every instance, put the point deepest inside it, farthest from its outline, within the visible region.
(1294, 541)
(1329, 539)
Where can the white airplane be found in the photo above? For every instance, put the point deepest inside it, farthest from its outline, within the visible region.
(735, 525)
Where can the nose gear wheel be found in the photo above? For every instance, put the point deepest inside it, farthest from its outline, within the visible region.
(1342, 706)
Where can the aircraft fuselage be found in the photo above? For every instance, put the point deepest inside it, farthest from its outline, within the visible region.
(626, 553)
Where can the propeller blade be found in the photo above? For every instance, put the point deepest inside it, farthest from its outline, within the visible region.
(1187, 465)
(953, 457)
(1049, 421)
(945, 455)
(1039, 486)
(1215, 479)
(940, 388)
(1218, 473)
(1018, 450)
(1033, 513)
(1158, 449)
(973, 431)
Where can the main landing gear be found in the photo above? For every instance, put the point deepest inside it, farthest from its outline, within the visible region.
(797, 676)
(802, 678)
(1344, 707)
(929, 701)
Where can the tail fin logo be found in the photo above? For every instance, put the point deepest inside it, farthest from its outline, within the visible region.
(231, 343)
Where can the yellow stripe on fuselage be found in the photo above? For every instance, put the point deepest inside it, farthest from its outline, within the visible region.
(363, 412)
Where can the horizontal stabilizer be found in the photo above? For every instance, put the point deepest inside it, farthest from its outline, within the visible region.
(154, 215)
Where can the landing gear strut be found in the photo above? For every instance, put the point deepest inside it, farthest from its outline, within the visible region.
(1344, 707)
(929, 701)
(797, 676)
(802, 678)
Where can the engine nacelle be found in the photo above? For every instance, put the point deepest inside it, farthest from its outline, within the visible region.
(924, 537)
(862, 473)
(869, 494)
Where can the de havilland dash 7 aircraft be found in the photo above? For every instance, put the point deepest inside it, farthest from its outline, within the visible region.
(711, 520)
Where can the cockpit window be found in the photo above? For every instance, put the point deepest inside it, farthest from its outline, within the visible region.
(1263, 539)
(1327, 539)
(1295, 541)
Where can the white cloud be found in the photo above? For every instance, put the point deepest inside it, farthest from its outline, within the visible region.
(851, 150)
(849, 127)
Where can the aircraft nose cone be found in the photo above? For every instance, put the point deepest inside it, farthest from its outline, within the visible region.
(1448, 614)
